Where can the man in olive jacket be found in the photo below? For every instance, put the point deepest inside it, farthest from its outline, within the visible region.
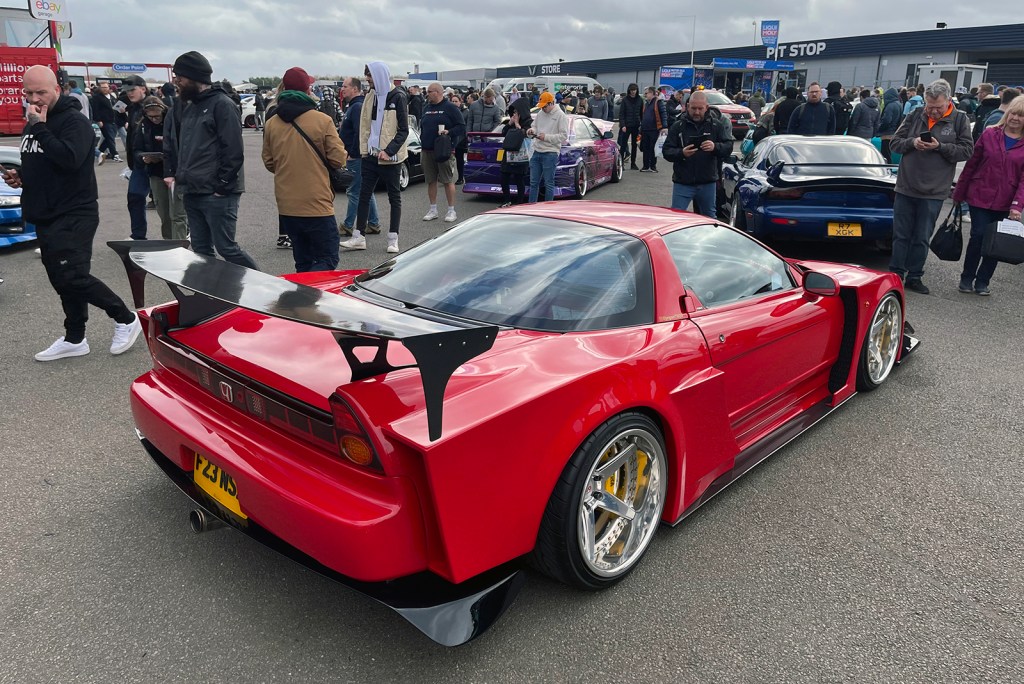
(932, 140)
(209, 160)
(696, 143)
(302, 187)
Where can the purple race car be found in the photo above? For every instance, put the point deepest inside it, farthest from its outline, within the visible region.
(589, 158)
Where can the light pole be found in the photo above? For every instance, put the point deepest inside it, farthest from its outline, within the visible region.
(693, 33)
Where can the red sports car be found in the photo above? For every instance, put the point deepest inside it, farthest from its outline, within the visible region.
(548, 381)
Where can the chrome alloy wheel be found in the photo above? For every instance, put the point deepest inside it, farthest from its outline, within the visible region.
(884, 338)
(621, 503)
(403, 176)
(582, 181)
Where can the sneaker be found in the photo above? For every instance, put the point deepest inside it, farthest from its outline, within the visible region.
(151, 204)
(117, 159)
(460, 181)
(634, 167)
(39, 251)
(63, 350)
(373, 229)
(357, 242)
(430, 215)
(506, 204)
(645, 170)
(345, 231)
(653, 170)
(966, 286)
(915, 285)
(982, 290)
(125, 335)
(284, 242)
(392, 243)
(450, 216)
(100, 159)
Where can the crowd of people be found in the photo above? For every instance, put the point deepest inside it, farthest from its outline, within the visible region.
(183, 146)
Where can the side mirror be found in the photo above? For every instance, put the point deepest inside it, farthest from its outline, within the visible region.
(820, 284)
(608, 135)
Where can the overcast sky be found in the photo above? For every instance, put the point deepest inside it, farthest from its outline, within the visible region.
(266, 37)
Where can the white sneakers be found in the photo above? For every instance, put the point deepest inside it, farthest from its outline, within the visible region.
(450, 216)
(357, 241)
(431, 215)
(125, 335)
(392, 243)
(62, 350)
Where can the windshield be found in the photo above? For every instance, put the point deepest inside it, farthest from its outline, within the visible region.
(825, 151)
(525, 272)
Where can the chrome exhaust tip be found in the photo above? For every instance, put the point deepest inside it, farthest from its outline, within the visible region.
(200, 521)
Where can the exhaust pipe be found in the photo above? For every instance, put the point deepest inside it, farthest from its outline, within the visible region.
(200, 521)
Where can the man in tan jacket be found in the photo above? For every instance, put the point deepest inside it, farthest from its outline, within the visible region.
(305, 199)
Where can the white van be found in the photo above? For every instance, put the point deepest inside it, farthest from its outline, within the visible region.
(551, 83)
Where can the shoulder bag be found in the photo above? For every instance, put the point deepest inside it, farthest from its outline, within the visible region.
(948, 242)
(1004, 241)
(340, 178)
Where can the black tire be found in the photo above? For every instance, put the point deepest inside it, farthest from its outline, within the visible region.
(404, 176)
(559, 552)
(580, 180)
(880, 348)
(618, 169)
(250, 122)
(737, 217)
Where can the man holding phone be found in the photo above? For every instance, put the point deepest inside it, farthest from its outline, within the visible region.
(695, 145)
(932, 140)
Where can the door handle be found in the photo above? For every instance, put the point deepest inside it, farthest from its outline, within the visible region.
(721, 338)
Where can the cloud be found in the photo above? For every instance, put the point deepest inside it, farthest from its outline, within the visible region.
(263, 37)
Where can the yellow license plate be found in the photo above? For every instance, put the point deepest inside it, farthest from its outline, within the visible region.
(501, 154)
(216, 482)
(844, 230)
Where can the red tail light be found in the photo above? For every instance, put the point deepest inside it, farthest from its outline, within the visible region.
(784, 221)
(475, 156)
(791, 193)
(354, 444)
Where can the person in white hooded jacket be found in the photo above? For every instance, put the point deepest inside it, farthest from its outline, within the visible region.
(550, 129)
(383, 131)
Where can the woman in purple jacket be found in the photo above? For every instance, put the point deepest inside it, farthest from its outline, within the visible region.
(992, 182)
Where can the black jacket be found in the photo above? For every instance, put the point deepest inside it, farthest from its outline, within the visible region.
(416, 104)
(57, 172)
(349, 129)
(812, 119)
(985, 107)
(135, 116)
(102, 111)
(630, 110)
(702, 167)
(146, 135)
(843, 110)
(866, 119)
(208, 145)
(782, 113)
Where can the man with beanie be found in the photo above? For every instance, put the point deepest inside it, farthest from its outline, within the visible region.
(843, 109)
(204, 156)
(295, 140)
(59, 196)
(383, 131)
(133, 92)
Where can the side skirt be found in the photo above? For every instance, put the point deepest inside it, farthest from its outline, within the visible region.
(750, 457)
(450, 614)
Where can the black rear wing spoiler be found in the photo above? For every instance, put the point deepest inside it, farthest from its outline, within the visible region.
(206, 287)
(775, 170)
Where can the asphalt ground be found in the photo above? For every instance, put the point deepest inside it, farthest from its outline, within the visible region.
(884, 545)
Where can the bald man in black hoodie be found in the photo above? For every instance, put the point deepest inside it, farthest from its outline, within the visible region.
(59, 195)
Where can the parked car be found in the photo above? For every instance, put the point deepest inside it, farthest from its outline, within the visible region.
(619, 363)
(13, 229)
(589, 158)
(248, 110)
(810, 188)
(741, 117)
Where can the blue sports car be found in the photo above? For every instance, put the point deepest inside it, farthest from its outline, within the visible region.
(12, 228)
(834, 188)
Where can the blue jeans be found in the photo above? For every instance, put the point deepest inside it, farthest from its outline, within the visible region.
(355, 165)
(211, 222)
(703, 197)
(981, 275)
(542, 167)
(913, 222)
(314, 241)
(138, 191)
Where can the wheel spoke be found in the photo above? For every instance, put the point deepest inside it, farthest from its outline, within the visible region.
(587, 529)
(607, 469)
(614, 505)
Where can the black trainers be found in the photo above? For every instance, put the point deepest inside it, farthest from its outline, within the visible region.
(915, 285)
(634, 167)
(284, 242)
(372, 229)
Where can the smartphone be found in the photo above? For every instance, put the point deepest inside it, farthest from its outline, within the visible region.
(157, 155)
(926, 136)
(705, 137)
